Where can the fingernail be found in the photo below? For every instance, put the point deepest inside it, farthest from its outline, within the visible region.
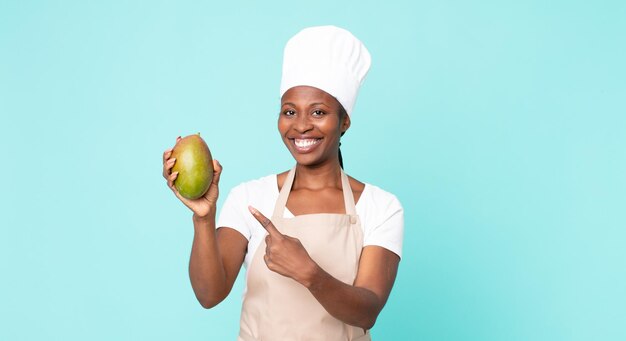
(252, 210)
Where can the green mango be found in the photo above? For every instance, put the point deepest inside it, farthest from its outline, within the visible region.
(194, 165)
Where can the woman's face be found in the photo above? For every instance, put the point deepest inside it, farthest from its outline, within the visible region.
(311, 124)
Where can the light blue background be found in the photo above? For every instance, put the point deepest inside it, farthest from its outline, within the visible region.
(499, 125)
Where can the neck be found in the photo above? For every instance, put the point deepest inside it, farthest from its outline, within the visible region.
(318, 176)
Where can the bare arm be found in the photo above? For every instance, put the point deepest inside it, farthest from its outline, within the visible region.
(358, 304)
(216, 256)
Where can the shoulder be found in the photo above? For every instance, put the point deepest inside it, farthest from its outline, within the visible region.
(376, 205)
(373, 195)
(280, 179)
(261, 193)
(357, 188)
(259, 185)
(380, 197)
(382, 218)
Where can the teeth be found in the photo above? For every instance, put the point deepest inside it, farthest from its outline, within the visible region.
(303, 143)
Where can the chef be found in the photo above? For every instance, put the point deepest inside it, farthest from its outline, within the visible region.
(321, 249)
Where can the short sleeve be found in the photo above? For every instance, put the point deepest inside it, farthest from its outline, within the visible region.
(231, 214)
(388, 225)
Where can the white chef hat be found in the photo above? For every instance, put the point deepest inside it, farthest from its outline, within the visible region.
(328, 58)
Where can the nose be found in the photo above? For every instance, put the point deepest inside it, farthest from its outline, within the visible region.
(303, 124)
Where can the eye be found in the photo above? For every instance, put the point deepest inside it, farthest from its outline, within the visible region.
(289, 112)
(318, 113)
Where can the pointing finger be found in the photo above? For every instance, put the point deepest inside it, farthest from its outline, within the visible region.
(266, 223)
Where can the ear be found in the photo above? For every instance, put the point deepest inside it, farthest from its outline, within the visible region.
(345, 124)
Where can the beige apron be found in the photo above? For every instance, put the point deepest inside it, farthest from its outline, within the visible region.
(277, 308)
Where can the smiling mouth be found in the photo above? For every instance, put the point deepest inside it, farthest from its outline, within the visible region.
(305, 145)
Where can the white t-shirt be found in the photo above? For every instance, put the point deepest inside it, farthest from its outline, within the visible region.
(380, 212)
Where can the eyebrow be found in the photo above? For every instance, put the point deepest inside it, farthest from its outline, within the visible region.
(312, 104)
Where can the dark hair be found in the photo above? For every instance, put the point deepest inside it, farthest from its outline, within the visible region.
(342, 114)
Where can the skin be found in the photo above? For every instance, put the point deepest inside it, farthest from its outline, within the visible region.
(217, 255)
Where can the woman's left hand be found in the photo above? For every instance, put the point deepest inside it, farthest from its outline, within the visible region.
(285, 255)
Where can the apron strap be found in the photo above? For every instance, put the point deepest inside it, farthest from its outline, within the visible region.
(281, 202)
(348, 198)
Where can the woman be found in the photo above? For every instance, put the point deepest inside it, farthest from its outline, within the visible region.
(321, 267)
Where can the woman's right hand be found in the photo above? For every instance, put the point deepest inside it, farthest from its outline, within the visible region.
(202, 206)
